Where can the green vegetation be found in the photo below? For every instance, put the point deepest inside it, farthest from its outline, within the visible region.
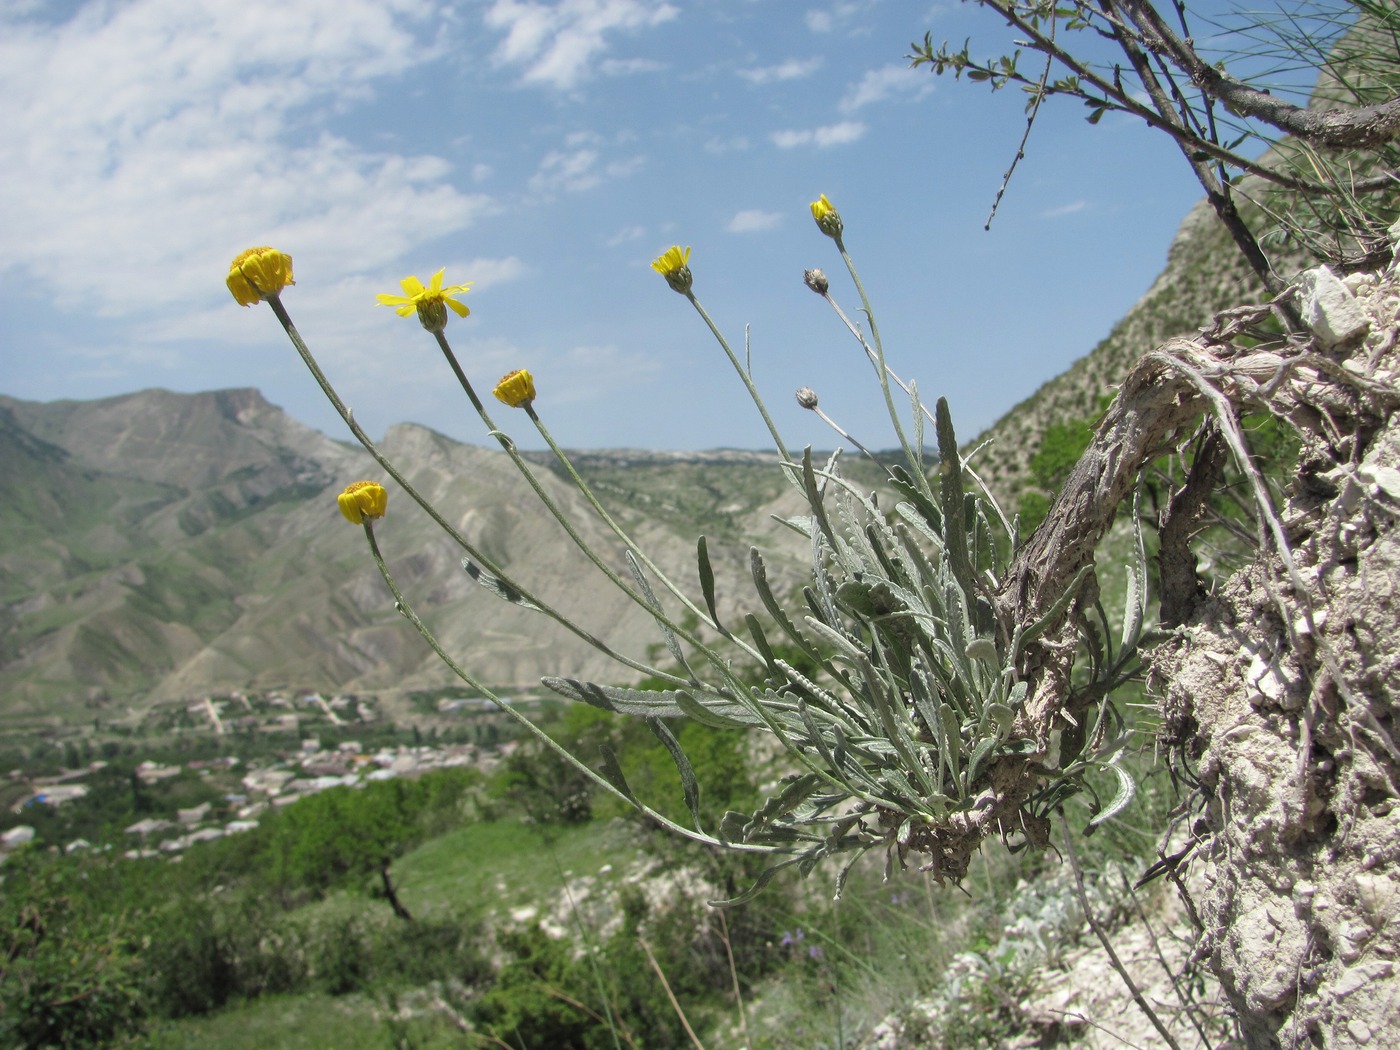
(530, 922)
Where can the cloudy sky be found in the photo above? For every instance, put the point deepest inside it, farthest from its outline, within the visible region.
(547, 151)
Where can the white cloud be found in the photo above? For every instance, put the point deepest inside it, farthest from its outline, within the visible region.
(579, 166)
(625, 236)
(558, 45)
(1065, 209)
(792, 69)
(889, 81)
(737, 144)
(628, 67)
(831, 135)
(754, 221)
(142, 145)
(827, 20)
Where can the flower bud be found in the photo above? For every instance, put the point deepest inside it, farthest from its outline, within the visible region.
(816, 280)
(361, 500)
(828, 219)
(258, 274)
(432, 315)
(516, 389)
(806, 397)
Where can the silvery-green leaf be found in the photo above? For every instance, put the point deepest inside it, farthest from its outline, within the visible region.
(612, 772)
(645, 587)
(497, 586)
(1127, 788)
(707, 579)
(689, 787)
(984, 649)
(645, 702)
(726, 716)
(979, 755)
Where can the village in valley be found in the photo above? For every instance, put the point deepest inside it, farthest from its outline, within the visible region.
(248, 752)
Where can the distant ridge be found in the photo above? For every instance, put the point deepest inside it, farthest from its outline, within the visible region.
(161, 546)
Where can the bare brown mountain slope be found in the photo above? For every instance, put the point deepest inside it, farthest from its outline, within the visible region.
(174, 545)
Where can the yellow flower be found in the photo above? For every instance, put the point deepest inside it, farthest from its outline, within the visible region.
(430, 302)
(671, 264)
(363, 499)
(516, 389)
(258, 274)
(827, 217)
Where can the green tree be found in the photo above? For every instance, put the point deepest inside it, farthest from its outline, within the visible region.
(71, 973)
(343, 835)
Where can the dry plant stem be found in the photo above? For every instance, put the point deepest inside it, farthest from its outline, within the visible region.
(578, 1004)
(1188, 1006)
(1126, 102)
(1365, 126)
(364, 439)
(670, 995)
(1075, 1015)
(734, 978)
(588, 945)
(1037, 97)
(401, 604)
(1107, 943)
(1218, 192)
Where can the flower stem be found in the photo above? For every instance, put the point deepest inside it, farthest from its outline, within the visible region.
(533, 480)
(744, 375)
(364, 439)
(401, 604)
(914, 459)
(621, 534)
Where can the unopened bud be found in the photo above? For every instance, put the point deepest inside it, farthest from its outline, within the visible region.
(816, 280)
(806, 397)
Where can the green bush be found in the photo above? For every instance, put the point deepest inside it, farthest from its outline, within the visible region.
(71, 971)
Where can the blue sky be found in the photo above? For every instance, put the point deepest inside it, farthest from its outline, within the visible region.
(547, 152)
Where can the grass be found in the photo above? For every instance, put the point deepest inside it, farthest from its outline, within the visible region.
(491, 867)
(300, 1022)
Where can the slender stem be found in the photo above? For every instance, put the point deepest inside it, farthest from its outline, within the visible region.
(915, 459)
(737, 687)
(744, 375)
(590, 949)
(621, 533)
(554, 509)
(1107, 943)
(734, 978)
(280, 311)
(401, 604)
(666, 985)
(923, 407)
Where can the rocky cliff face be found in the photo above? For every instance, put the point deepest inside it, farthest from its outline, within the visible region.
(1281, 695)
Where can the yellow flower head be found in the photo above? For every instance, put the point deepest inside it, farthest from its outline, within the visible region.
(363, 499)
(258, 274)
(430, 302)
(827, 217)
(671, 264)
(516, 389)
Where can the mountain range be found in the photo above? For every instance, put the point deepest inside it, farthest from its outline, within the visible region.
(162, 546)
